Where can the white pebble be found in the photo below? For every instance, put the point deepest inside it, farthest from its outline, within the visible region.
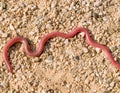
(97, 3)
(82, 34)
(32, 7)
(66, 41)
(18, 30)
(11, 27)
(105, 19)
(112, 84)
(98, 50)
(48, 26)
(69, 51)
(4, 35)
(2, 5)
(32, 33)
(49, 59)
(61, 57)
(53, 4)
(85, 50)
(43, 91)
(36, 59)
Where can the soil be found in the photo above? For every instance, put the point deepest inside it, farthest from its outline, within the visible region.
(66, 65)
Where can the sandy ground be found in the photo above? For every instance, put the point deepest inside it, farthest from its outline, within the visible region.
(66, 65)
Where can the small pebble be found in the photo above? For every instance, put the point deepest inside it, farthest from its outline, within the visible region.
(11, 27)
(3, 5)
(54, 3)
(95, 15)
(104, 18)
(77, 58)
(18, 30)
(69, 51)
(31, 32)
(82, 34)
(32, 7)
(63, 83)
(48, 26)
(43, 91)
(50, 91)
(61, 57)
(112, 84)
(98, 50)
(97, 3)
(49, 59)
(66, 41)
(85, 50)
(36, 59)
(4, 34)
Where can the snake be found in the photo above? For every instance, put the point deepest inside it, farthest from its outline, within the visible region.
(40, 47)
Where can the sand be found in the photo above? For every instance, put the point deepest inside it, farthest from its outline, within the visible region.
(66, 65)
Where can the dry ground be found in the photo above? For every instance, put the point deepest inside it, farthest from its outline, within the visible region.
(66, 65)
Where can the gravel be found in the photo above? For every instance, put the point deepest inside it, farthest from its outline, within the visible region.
(66, 65)
(49, 59)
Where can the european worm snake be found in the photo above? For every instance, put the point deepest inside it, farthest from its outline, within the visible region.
(43, 41)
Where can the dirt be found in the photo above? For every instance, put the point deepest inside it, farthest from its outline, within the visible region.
(66, 65)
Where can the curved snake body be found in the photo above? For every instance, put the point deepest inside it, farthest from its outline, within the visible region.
(43, 41)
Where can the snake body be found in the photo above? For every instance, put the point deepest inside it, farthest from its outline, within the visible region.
(43, 41)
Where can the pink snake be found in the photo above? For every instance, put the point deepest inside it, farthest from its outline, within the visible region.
(43, 41)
